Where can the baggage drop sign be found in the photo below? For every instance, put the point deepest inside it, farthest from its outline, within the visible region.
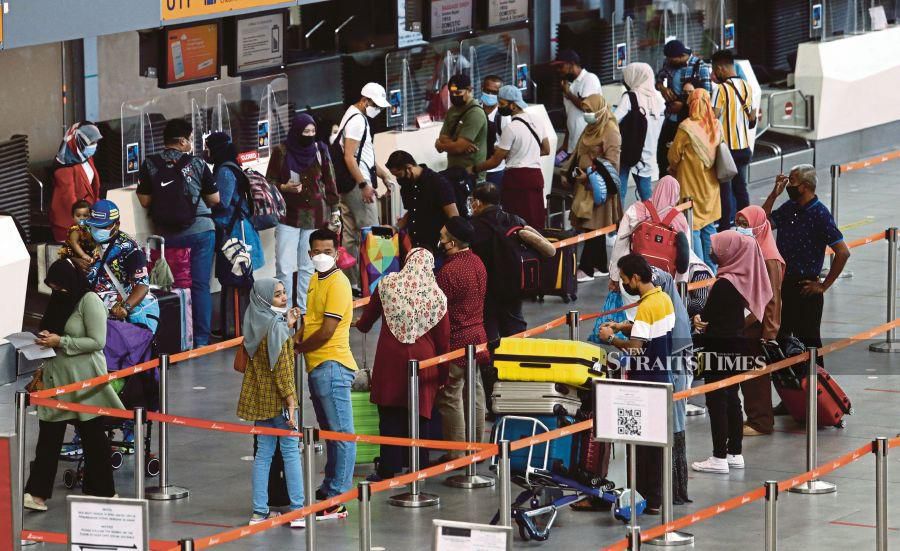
(173, 10)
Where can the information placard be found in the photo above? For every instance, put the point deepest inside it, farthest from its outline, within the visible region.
(467, 536)
(450, 17)
(259, 42)
(507, 12)
(111, 524)
(633, 412)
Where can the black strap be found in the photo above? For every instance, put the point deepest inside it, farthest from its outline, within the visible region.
(740, 97)
(528, 126)
(362, 142)
(695, 72)
(459, 121)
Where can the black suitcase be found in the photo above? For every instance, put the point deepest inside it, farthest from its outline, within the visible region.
(278, 494)
(170, 334)
(558, 273)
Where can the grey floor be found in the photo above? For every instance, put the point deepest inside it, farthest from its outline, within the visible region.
(216, 467)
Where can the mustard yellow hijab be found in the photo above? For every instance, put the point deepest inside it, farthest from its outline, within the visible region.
(594, 133)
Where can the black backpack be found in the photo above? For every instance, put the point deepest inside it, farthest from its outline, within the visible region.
(634, 132)
(342, 177)
(515, 268)
(463, 184)
(171, 209)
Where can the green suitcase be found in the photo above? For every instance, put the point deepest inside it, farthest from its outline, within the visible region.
(365, 421)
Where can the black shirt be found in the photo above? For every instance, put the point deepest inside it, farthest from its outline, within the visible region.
(724, 311)
(424, 200)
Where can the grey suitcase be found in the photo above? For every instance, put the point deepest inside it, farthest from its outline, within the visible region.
(534, 398)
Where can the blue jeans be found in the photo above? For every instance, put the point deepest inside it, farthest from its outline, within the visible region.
(643, 185)
(495, 177)
(703, 244)
(202, 246)
(290, 453)
(292, 255)
(329, 389)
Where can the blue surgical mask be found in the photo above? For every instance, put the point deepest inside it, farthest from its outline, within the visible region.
(590, 118)
(89, 150)
(101, 235)
(744, 231)
(489, 100)
(82, 221)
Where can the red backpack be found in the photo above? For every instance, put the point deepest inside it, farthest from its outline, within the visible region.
(656, 239)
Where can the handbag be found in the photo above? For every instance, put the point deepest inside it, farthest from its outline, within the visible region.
(37, 381)
(241, 359)
(725, 167)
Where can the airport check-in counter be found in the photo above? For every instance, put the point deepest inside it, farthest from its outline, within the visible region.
(14, 264)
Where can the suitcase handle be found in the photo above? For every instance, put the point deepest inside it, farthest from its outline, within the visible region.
(162, 245)
(382, 231)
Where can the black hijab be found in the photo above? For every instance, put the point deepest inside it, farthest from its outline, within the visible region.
(71, 286)
(221, 149)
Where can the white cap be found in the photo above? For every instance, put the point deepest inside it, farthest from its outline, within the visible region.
(375, 92)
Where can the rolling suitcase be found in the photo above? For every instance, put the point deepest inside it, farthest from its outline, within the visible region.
(534, 398)
(558, 273)
(175, 332)
(833, 402)
(379, 255)
(548, 360)
(365, 421)
(560, 455)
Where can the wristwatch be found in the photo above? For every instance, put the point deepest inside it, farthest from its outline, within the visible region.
(128, 308)
(610, 339)
(362, 184)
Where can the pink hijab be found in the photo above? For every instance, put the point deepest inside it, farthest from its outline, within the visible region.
(762, 231)
(741, 262)
(665, 197)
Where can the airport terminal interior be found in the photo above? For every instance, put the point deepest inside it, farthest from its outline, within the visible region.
(89, 95)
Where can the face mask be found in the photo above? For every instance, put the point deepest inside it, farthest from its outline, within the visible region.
(505, 111)
(82, 221)
(489, 100)
(372, 111)
(714, 258)
(744, 231)
(279, 309)
(306, 141)
(590, 118)
(441, 247)
(793, 192)
(571, 77)
(323, 262)
(89, 150)
(101, 235)
(630, 290)
(458, 101)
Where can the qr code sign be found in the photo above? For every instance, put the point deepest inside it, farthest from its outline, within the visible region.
(629, 421)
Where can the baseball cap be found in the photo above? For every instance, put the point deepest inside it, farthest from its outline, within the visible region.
(513, 94)
(675, 48)
(568, 56)
(104, 213)
(375, 92)
(460, 81)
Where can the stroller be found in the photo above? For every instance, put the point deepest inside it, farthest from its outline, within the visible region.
(555, 474)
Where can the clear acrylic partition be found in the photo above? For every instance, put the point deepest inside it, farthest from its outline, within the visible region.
(415, 79)
(505, 54)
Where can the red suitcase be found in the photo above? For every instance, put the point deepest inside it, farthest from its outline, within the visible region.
(833, 402)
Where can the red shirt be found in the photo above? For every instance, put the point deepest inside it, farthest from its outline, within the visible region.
(464, 280)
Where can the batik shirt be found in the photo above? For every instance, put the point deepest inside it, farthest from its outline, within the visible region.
(127, 262)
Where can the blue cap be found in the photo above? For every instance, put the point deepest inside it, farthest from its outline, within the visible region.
(104, 213)
(675, 48)
(513, 94)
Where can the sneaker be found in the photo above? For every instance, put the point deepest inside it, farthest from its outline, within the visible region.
(256, 518)
(711, 465)
(691, 410)
(583, 277)
(653, 510)
(30, 503)
(735, 461)
(600, 273)
(336, 512)
(750, 431)
(298, 523)
(320, 495)
(71, 450)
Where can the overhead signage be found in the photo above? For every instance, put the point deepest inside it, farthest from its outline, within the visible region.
(506, 12)
(633, 412)
(450, 17)
(171, 10)
(259, 42)
(191, 54)
(112, 524)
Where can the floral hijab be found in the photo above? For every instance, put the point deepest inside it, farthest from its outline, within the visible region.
(411, 299)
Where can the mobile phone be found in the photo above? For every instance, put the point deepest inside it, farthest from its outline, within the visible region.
(178, 60)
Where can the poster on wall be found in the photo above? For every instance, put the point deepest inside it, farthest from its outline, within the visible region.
(506, 12)
(191, 54)
(522, 76)
(395, 98)
(450, 17)
(181, 9)
(816, 16)
(259, 43)
(729, 36)
(621, 56)
(263, 134)
(132, 158)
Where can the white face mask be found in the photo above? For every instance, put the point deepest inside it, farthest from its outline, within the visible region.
(590, 118)
(372, 111)
(323, 262)
(279, 309)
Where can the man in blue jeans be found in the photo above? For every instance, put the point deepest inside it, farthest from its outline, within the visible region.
(177, 169)
(330, 363)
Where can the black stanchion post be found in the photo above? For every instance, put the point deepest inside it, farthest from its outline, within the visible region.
(573, 321)
(310, 437)
(365, 516)
(880, 447)
(139, 452)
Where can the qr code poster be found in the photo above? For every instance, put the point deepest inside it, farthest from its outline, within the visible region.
(633, 412)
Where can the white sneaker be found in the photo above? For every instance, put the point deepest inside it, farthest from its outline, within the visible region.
(29, 503)
(256, 518)
(298, 522)
(711, 465)
(735, 461)
(692, 410)
(583, 277)
(600, 273)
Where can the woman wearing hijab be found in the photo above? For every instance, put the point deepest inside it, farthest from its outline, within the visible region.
(742, 284)
(302, 170)
(692, 158)
(600, 139)
(74, 177)
(664, 199)
(753, 221)
(74, 325)
(268, 395)
(416, 326)
(639, 79)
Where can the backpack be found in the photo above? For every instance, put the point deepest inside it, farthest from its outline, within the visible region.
(171, 209)
(463, 185)
(515, 268)
(267, 204)
(634, 133)
(342, 177)
(657, 240)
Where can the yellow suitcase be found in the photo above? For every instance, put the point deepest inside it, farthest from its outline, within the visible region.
(549, 360)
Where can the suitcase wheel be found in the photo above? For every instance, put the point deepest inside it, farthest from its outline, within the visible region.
(841, 424)
(566, 300)
(69, 478)
(850, 411)
(152, 467)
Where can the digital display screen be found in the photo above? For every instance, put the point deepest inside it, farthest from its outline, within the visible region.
(191, 54)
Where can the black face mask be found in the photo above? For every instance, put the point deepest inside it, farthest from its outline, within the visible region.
(571, 77)
(505, 111)
(441, 247)
(458, 101)
(630, 290)
(793, 192)
(306, 141)
(714, 258)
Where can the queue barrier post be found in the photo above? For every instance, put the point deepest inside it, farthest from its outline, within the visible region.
(689, 216)
(186, 544)
(18, 489)
(414, 498)
(310, 437)
(880, 448)
(365, 516)
(165, 491)
(634, 538)
(140, 415)
(471, 479)
(673, 538)
(503, 472)
(835, 178)
(634, 529)
(572, 321)
(891, 344)
(814, 485)
(771, 515)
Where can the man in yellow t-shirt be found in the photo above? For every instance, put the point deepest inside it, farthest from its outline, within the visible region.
(330, 363)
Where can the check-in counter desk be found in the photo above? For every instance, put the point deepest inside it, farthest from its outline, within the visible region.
(14, 263)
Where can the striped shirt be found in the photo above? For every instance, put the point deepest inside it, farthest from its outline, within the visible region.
(732, 100)
(654, 323)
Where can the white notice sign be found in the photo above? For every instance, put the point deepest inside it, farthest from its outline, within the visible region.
(633, 412)
(108, 524)
(450, 17)
(260, 42)
(466, 536)
(505, 12)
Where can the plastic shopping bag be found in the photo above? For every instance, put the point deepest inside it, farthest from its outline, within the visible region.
(613, 301)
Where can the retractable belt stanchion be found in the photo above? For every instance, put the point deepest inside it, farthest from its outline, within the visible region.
(771, 515)
(689, 216)
(413, 498)
(835, 178)
(880, 448)
(18, 491)
(471, 479)
(299, 372)
(674, 538)
(139, 452)
(814, 486)
(504, 474)
(891, 344)
(634, 530)
(572, 321)
(365, 517)
(186, 545)
(310, 437)
(165, 491)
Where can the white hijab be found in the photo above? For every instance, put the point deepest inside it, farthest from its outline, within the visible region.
(639, 79)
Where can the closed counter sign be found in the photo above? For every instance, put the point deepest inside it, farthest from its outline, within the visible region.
(181, 9)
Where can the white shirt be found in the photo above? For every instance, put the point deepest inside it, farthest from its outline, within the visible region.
(647, 165)
(504, 123)
(586, 84)
(355, 130)
(524, 150)
(88, 171)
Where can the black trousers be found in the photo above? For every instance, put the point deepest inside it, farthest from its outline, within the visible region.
(98, 472)
(666, 135)
(726, 418)
(801, 316)
(503, 318)
(593, 256)
(393, 421)
(649, 465)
